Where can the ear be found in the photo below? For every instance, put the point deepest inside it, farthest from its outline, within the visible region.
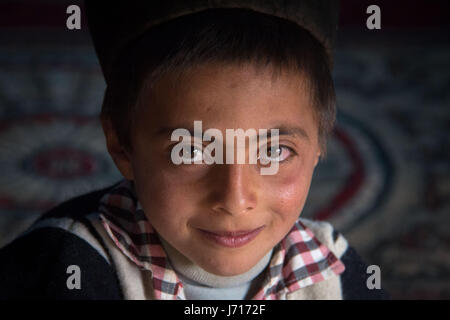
(120, 156)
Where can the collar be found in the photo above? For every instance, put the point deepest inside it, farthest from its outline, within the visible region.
(298, 261)
(190, 271)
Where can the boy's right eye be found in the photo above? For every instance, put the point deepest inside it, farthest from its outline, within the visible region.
(191, 154)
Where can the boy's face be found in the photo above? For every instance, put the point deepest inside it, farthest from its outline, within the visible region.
(186, 203)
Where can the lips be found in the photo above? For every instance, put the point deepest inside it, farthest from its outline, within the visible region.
(232, 239)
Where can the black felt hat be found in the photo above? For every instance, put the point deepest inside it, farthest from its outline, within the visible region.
(115, 24)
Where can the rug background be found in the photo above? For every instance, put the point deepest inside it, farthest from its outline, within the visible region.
(385, 183)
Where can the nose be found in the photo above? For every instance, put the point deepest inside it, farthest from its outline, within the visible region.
(236, 189)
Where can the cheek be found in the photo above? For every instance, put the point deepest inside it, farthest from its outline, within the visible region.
(287, 191)
(166, 202)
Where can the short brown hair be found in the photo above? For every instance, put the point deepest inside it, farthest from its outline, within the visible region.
(218, 35)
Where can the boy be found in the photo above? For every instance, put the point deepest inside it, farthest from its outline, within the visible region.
(197, 230)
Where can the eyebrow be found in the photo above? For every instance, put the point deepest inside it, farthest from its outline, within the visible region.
(283, 130)
(289, 131)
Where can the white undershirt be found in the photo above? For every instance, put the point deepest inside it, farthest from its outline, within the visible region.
(202, 285)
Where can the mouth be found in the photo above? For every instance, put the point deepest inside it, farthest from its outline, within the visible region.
(232, 239)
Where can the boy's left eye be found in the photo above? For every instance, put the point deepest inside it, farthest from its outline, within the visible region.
(276, 153)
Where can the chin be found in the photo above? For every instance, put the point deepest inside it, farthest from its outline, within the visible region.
(228, 268)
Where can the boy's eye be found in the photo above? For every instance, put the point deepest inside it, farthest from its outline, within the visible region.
(193, 154)
(276, 153)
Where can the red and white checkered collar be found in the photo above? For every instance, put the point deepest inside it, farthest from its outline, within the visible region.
(298, 261)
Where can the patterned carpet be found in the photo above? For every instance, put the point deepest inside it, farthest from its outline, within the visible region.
(385, 183)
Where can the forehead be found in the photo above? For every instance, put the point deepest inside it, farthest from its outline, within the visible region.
(228, 96)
